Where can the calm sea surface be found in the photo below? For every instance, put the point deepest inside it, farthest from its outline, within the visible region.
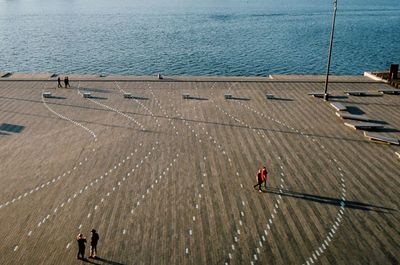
(191, 37)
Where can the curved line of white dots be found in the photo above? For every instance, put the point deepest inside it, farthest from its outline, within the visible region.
(318, 251)
(56, 210)
(242, 214)
(43, 185)
(163, 110)
(197, 196)
(197, 209)
(55, 179)
(140, 198)
(137, 101)
(117, 111)
(143, 196)
(91, 184)
(276, 205)
(270, 219)
(68, 119)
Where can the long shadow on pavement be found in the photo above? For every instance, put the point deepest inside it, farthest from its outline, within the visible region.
(108, 261)
(331, 201)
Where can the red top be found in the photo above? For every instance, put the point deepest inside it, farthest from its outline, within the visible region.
(264, 174)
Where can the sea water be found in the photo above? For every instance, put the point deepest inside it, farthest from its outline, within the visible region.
(191, 37)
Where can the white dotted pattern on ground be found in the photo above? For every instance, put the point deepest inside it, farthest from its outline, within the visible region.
(319, 250)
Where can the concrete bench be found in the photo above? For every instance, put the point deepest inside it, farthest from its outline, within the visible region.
(338, 106)
(380, 138)
(185, 96)
(345, 115)
(356, 92)
(389, 91)
(364, 125)
(270, 96)
(318, 94)
(127, 95)
(46, 94)
(228, 96)
(87, 94)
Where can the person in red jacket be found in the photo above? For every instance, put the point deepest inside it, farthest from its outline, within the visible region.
(264, 174)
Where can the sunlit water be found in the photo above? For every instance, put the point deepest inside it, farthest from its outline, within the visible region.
(187, 37)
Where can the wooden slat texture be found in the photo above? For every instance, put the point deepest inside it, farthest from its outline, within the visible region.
(166, 180)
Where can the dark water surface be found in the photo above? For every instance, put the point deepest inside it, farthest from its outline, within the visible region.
(187, 37)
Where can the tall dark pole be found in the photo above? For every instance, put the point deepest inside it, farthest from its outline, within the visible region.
(330, 49)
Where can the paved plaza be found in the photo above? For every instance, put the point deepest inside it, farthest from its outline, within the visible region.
(168, 180)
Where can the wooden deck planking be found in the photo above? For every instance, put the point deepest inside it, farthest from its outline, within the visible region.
(223, 201)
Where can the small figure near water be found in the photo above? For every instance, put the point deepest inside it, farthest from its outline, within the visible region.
(81, 246)
(66, 82)
(59, 82)
(93, 244)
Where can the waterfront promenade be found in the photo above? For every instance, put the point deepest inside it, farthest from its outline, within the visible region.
(167, 180)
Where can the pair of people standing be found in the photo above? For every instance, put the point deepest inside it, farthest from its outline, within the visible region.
(81, 239)
(66, 82)
(261, 177)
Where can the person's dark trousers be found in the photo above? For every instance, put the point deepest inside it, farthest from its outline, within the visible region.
(93, 250)
(259, 184)
(81, 253)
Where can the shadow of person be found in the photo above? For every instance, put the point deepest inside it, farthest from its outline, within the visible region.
(89, 261)
(108, 261)
(329, 200)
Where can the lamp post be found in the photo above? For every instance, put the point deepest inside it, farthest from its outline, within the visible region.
(330, 50)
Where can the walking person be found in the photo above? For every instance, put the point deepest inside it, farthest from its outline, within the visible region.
(81, 246)
(66, 82)
(59, 82)
(259, 180)
(93, 244)
(264, 174)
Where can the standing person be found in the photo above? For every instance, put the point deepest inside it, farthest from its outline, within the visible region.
(93, 244)
(259, 180)
(81, 246)
(264, 174)
(66, 82)
(59, 82)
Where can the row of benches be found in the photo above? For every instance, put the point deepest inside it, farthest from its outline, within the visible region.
(360, 92)
(366, 93)
(365, 124)
(228, 96)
